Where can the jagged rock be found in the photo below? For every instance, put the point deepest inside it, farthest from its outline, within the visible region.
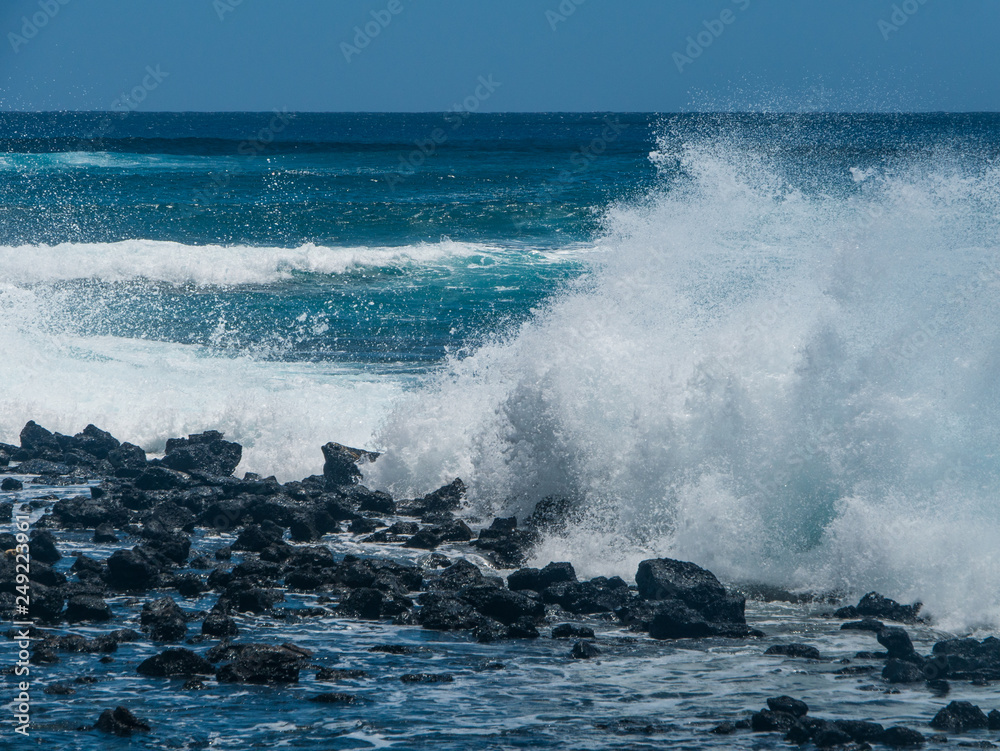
(768, 721)
(340, 467)
(128, 459)
(429, 538)
(120, 721)
(43, 547)
(259, 663)
(900, 737)
(204, 452)
(599, 595)
(794, 650)
(902, 671)
(160, 478)
(968, 659)
(132, 569)
(538, 579)
(897, 642)
(443, 500)
(788, 705)
(874, 605)
(175, 662)
(501, 604)
(460, 574)
(446, 613)
(104, 533)
(220, 625)
(584, 650)
(960, 716)
(9, 485)
(87, 608)
(164, 619)
(372, 604)
(46, 603)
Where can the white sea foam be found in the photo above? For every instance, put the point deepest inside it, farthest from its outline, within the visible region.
(211, 265)
(782, 387)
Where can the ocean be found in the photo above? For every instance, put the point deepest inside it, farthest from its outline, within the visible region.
(765, 343)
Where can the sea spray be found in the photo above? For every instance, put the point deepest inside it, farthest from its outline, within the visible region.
(797, 386)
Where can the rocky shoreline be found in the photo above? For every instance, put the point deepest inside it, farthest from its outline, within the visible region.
(147, 512)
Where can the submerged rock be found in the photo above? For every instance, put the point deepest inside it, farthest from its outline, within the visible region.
(794, 650)
(260, 663)
(175, 662)
(120, 721)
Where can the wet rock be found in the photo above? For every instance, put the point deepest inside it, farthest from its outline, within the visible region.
(374, 605)
(254, 538)
(426, 678)
(866, 624)
(190, 585)
(128, 460)
(120, 721)
(897, 642)
(364, 526)
(584, 650)
(967, 659)
(333, 698)
(874, 605)
(902, 671)
(59, 689)
(260, 663)
(203, 452)
(726, 728)
(443, 500)
(160, 478)
(803, 651)
(175, 662)
(769, 721)
(538, 579)
(788, 705)
(901, 737)
(104, 533)
(219, 625)
(87, 608)
(599, 595)
(501, 604)
(9, 485)
(861, 731)
(46, 603)
(572, 631)
(194, 684)
(43, 547)
(675, 620)
(993, 719)
(460, 574)
(442, 612)
(429, 538)
(960, 716)
(164, 620)
(340, 467)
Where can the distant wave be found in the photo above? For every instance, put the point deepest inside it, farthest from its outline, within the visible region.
(218, 265)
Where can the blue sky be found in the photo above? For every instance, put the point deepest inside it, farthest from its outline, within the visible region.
(544, 55)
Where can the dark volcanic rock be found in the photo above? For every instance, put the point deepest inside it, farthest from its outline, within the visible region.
(46, 603)
(255, 538)
(372, 604)
(43, 547)
(584, 650)
(442, 612)
(788, 705)
(960, 716)
(794, 650)
(104, 533)
(994, 719)
(164, 620)
(538, 579)
(967, 659)
(426, 678)
(340, 466)
(866, 624)
(132, 569)
(9, 484)
(902, 671)
(160, 478)
(174, 662)
(501, 604)
(897, 642)
(429, 538)
(900, 737)
(599, 595)
(769, 721)
(203, 452)
(668, 579)
(443, 500)
(260, 663)
(333, 698)
(219, 624)
(128, 459)
(87, 608)
(675, 620)
(120, 721)
(874, 605)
